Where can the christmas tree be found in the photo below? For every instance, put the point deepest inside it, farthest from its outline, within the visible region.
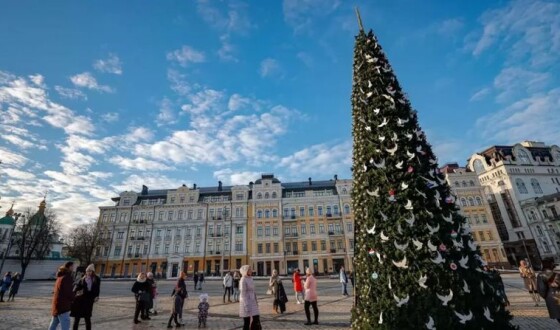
(416, 263)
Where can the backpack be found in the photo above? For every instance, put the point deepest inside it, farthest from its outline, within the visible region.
(542, 286)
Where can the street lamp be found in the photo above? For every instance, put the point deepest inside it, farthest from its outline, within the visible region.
(16, 217)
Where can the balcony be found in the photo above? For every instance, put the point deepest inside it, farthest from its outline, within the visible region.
(291, 235)
(292, 253)
(134, 255)
(336, 233)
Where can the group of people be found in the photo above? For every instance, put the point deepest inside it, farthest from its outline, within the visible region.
(10, 284)
(545, 285)
(74, 298)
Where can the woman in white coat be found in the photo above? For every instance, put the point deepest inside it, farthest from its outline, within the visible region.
(248, 305)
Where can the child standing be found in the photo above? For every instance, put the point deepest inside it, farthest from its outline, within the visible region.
(203, 307)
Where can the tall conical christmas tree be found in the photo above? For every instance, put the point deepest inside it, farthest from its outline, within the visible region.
(416, 264)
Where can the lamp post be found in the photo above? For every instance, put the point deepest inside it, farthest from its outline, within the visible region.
(16, 217)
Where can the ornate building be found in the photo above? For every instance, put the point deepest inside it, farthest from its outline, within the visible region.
(269, 224)
(474, 206)
(512, 176)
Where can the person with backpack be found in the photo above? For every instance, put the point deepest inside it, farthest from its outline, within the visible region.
(548, 287)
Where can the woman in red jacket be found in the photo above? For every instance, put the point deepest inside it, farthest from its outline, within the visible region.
(298, 287)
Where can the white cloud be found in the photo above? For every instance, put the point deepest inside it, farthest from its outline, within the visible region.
(320, 159)
(70, 93)
(480, 94)
(22, 175)
(179, 83)
(12, 158)
(269, 67)
(38, 80)
(232, 177)
(300, 14)
(227, 50)
(530, 29)
(514, 82)
(139, 164)
(18, 141)
(532, 118)
(110, 117)
(233, 19)
(139, 134)
(203, 101)
(111, 64)
(87, 80)
(166, 115)
(134, 182)
(237, 102)
(186, 55)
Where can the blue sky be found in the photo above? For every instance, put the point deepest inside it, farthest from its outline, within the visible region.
(101, 97)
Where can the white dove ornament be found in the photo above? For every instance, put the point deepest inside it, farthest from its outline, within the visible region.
(422, 281)
(408, 205)
(445, 299)
(487, 314)
(464, 318)
(431, 324)
(439, 259)
(400, 301)
(401, 264)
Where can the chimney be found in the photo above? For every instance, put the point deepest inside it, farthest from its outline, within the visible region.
(144, 190)
(219, 185)
(309, 181)
(194, 186)
(335, 177)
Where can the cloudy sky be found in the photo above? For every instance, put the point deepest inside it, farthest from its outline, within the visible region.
(101, 97)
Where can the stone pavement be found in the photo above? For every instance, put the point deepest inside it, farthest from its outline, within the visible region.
(115, 310)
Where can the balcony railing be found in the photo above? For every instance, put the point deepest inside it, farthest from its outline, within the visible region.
(291, 234)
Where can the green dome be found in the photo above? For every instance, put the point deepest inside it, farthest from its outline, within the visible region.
(7, 220)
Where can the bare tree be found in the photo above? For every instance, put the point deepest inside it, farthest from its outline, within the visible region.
(82, 242)
(34, 233)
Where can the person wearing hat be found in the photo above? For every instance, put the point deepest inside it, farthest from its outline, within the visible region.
(203, 308)
(87, 293)
(63, 295)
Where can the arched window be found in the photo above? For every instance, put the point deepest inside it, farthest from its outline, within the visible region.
(329, 211)
(539, 231)
(274, 213)
(259, 196)
(335, 209)
(471, 183)
(546, 247)
(463, 201)
(464, 183)
(267, 213)
(471, 201)
(521, 186)
(523, 157)
(457, 184)
(536, 186)
(266, 195)
(293, 211)
(346, 209)
(478, 166)
(259, 214)
(478, 200)
(274, 194)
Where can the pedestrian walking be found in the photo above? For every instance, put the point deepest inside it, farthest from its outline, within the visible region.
(63, 296)
(343, 280)
(200, 280)
(176, 306)
(14, 287)
(280, 297)
(529, 278)
(273, 290)
(142, 292)
(153, 283)
(248, 304)
(298, 287)
(548, 287)
(195, 280)
(181, 288)
(236, 279)
(228, 286)
(6, 282)
(203, 308)
(86, 292)
(310, 287)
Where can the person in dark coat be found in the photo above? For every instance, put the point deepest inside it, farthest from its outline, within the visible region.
(63, 296)
(280, 298)
(548, 286)
(195, 280)
(6, 282)
(200, 280)
(179, 295)
(14, 287)
(142, 292)
(87, 293)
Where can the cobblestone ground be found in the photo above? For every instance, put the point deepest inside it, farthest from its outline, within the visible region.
(115, 309)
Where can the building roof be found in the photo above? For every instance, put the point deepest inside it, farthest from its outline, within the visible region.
(501, 152)
(548, 198)
(7, 220)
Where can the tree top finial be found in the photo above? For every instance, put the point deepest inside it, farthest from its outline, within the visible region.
(359, 19)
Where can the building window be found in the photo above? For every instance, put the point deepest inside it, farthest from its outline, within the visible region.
(267, 247)
(471, 201)
(276, 248)
(259, 248)
(476, 219)
(536, 186)
(302, 211)
(274, 195)
(120, 234)
(483, 218)
(457, 184)
(481, 236)
(180, 215)
(351, 244)
(349, 227)
(490, 236)
(166, 249)
(335, 209)
(190, 215)
(267, 231)
(303, 229)
(478, 166)
(259, 195)
(312, 229)
(267, 214)
(346, 209)
(311, 211)
(523, 157)
(293, 212)
(238, 245)
(313, 246)
(170, 215)
(275, 231)
(275, 213)
(539, 231)
(463, 201)
(329, 211)
(323, 245)
(321, 228)
(546, 247)
(200, 214)
(259, 214)
(304, 246)
(239, 229)
(471, 183)
(521, 186)
(319, 210)
(259, 231)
